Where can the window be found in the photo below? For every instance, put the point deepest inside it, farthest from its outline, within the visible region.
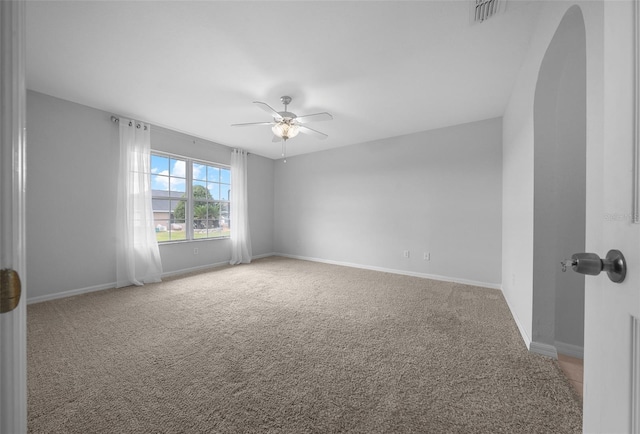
(190, 198)
(211, 187)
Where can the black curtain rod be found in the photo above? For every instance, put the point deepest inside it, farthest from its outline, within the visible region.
(117, 121)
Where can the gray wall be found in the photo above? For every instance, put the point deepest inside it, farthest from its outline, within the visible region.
(437, 191)
(71, 196)
(517, 175)
(518, 178)
(72, 166)
(560, 148)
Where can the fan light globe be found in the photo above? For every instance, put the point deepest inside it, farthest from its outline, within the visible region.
(285, 130)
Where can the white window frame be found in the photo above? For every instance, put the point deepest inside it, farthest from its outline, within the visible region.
(190, 200)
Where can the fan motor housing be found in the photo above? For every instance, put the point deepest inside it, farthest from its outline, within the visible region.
(287, 115)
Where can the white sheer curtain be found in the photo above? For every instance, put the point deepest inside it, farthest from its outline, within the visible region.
(240, 235)
(138, 256)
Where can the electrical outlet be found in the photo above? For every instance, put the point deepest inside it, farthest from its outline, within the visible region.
(195, 251)
(426, 256)
(405, 254)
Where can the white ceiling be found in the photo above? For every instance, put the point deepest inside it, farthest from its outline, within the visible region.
(382, 68)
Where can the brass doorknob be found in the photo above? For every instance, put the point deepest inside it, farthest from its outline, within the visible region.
(10, 290)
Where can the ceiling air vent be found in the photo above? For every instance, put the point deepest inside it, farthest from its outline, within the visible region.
(484, 9)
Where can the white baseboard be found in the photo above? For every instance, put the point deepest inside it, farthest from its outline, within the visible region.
(569, 349)
(395, 271)
(544, 349)
(192, 269)
(206, 266)
(264, 255)
(70, 293)
(521, 329)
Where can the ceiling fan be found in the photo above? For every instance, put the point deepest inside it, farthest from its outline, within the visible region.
(287, 125)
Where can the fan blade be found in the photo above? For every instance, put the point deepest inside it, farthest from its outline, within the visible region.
(266, 107)
(252, 124)
(276, 139)
(312, 132)
(316, 117)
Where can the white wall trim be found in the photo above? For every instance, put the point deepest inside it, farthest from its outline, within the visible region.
(194, 269)
(523, 331)
(104, 286)
(70, 293)
(88, 289)
(544, 349)
(207, 266)
(13, 325)
(264, 255)
(635, 217)
(569, 349)
(394, 271)
(635, 375)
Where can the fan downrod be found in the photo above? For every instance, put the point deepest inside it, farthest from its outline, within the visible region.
(286, 114)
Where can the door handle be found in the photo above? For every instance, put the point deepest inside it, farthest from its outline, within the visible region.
(590, 263)
(10, 290)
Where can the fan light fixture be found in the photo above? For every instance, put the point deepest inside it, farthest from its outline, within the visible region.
(285, 129)
(287, 125)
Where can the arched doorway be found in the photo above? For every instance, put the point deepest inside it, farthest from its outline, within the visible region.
(560, 190)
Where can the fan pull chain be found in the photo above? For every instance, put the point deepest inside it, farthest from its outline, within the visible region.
(284, 149)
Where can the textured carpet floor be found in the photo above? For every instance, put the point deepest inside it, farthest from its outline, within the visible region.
(290, 346)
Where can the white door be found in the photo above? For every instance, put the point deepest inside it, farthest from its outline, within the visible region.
(13, 366)
(612, 311)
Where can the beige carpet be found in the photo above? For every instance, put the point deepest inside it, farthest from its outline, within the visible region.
(290, 346)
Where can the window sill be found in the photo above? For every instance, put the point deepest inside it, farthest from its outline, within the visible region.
(168, 243)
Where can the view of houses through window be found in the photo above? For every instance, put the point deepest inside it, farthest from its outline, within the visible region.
(190, 198)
